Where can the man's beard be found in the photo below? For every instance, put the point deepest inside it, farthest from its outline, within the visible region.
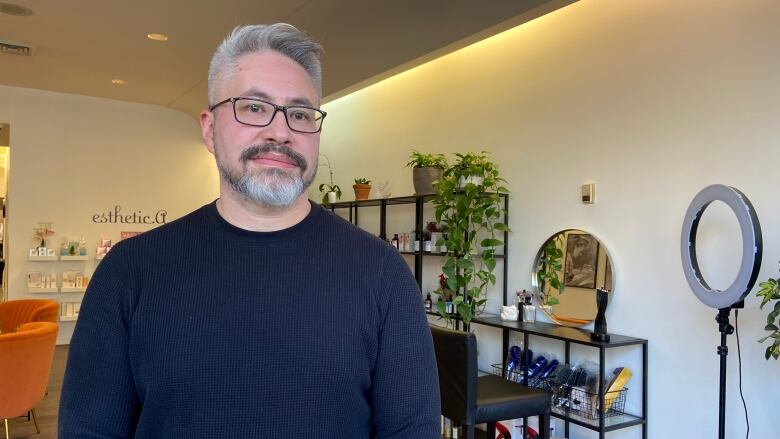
(269, 187)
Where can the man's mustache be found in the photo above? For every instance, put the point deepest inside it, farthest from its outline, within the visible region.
(256, 150)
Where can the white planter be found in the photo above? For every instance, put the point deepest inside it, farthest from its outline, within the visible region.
(331, 197)
(473, 179)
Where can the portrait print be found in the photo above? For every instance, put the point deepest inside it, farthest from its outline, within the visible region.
(581, 258)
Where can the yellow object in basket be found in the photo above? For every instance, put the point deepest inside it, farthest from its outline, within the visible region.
(620, 377)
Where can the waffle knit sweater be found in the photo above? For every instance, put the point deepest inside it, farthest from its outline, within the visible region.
(201, 329)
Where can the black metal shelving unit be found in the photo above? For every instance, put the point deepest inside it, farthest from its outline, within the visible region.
(565, 334)
(419, 224)
(569, 336)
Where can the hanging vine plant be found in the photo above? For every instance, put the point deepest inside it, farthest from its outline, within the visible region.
(468, 203)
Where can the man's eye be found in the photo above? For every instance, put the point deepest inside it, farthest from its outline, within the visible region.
(255, 108)
(300, 115)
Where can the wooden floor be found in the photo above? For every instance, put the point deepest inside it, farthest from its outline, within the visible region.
(46, 410)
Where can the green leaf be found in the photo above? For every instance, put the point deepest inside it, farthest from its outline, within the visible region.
(491, 242)
(771, 327)
(465, 313)
(441, 306)
(464, 264)
(773, 315)
(457, 300)
(501, 227)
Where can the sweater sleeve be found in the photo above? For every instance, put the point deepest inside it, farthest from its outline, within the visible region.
(99, 399)
(405, 386)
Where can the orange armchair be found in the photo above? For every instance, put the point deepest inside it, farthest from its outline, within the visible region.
(15, 313)
(25, 364)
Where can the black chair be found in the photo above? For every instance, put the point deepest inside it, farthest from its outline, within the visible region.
(470, 400)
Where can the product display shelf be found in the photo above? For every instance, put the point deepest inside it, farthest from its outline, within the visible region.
(42, 290)
(568, 335)
(419, 221)
(68, 318)
(41, 258)
(73, 289)
(73, 258)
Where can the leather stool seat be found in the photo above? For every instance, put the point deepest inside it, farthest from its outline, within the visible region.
(469, 400)
(499, 399)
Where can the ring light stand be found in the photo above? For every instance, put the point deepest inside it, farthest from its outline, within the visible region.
(733, 296)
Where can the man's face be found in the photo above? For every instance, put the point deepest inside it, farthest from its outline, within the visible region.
(271, 165)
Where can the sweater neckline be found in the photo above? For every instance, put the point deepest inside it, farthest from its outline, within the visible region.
(304, 227)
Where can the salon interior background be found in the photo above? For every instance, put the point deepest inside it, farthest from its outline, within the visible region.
(652, 100)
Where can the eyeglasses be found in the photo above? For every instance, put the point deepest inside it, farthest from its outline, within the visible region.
(259, 113)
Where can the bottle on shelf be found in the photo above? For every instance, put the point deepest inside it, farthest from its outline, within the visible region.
(428, 303)
(529, 310)
(394, 241)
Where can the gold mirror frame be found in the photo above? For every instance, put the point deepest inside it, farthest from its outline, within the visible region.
(584, 265)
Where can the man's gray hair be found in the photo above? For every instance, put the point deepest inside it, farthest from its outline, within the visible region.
(280, 37)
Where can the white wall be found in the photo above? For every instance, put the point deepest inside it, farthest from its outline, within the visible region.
(75, 156)
(651, 100)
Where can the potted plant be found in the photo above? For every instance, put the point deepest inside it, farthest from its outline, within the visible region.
(330, 192)
(472, 212)
(362, 188)
(426, 168)
(770, 291)
(473, 167)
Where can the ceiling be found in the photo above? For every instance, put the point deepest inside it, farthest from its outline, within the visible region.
(79, 46)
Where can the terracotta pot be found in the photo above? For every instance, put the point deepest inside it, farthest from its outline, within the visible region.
(361, 191)
(423, 179)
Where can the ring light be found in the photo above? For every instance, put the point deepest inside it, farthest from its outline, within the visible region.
(752, 246)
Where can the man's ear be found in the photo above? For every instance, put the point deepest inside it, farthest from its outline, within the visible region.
(207, 129)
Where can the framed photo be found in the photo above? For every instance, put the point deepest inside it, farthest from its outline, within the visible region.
(582, 252)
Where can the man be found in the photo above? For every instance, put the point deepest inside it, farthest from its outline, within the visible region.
(246, 318)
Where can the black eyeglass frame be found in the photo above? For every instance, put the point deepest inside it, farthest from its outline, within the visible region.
(277, 108)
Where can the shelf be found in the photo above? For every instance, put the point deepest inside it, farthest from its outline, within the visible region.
(457, 317)
(552, 330)
(611, 423)
(68, 318)
(425, 253)
(42, 290)
(408, 199)
(73, 258)
(73, 289)
(42, 258)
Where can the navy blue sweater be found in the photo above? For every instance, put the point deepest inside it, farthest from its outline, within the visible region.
(201, 329)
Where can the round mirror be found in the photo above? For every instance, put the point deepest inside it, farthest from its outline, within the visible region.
(568, 268)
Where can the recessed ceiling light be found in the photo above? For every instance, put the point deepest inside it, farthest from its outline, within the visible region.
(119, 82)
(15, 10)
(157, 37)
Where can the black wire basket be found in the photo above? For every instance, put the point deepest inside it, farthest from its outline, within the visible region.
(587, 403)
(575, 400)
(516, 376)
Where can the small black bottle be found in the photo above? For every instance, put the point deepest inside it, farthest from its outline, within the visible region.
(394, 241)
